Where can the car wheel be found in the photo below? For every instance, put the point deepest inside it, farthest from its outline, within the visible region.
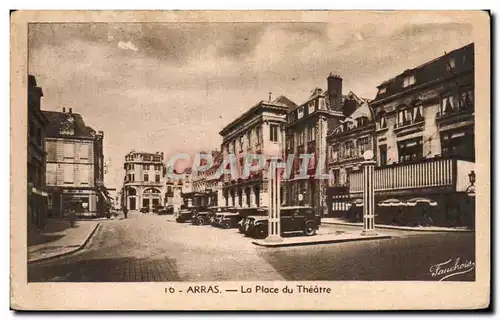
(225, 225)
(200, 222)
(310, 229)
(260, 232)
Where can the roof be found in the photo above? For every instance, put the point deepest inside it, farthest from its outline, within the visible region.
(430, 70)
(58, 120)
(281, 102)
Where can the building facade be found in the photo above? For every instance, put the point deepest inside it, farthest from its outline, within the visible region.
(145, 180)
(260, 130)
(306, 133)
(75, 166)
(346, 145)
(424, 135)
(36, 158)
(209, 183)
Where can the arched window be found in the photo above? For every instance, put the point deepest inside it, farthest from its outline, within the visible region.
(131, 192)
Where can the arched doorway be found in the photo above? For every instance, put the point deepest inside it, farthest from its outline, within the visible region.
(131, 198)
(151, 198)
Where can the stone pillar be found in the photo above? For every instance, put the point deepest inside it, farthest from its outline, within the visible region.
(252, 196)
(274, 216)
(368, 198)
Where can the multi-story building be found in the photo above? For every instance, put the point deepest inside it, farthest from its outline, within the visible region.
(346, 145)
(75, 166)
(260, 130)
(424, 133)
(208, 183)
(144, 181)
(37, 122)
(307, 129)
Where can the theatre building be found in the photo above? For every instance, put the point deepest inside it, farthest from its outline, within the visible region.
(260, 130)
(75, 166)
(145, 180)
(424, 136)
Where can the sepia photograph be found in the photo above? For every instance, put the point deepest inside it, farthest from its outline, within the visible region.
(254, 152)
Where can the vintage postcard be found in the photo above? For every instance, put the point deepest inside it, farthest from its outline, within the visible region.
(250, 160)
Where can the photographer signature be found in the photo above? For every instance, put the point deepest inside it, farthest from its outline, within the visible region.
(451, 268)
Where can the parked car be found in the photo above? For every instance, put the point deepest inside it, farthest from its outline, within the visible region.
(213, 211)
(229, 220)
(185, 215)
(144, 210)
(293, 220)
(201, 217)
(249, 214)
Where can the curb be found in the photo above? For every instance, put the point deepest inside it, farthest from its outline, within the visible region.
(80, 247)
(321, 241)
(398, 227)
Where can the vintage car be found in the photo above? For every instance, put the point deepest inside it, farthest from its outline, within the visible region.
(229, 220)
(213, 211)
(160, 210)
(294, 219)
(185, 215)
(201, 217)
(144, 210)
(248, 214)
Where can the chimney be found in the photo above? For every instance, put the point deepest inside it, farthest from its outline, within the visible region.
(70, 110)
(270, 96)
(64, 110)
(335, 92)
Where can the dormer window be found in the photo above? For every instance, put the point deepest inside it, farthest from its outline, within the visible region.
(408, 81)
(362, 121)
(450, 65)
(312, 106)
(300, 112)
(382, 90)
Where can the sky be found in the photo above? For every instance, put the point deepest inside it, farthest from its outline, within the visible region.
(172, 87)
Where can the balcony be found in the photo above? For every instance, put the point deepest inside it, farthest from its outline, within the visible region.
(445, 173)
(463, 113)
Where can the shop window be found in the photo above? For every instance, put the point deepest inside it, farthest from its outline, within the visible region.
(410, 150)
(458, 144)
(273, 129)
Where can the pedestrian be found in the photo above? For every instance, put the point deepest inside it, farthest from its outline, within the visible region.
(125, 211)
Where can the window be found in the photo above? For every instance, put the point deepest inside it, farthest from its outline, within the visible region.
(312, 106)
(69, 150)
(322, 103)
(363, 145)
(467, 99)
(146, 177)
(408, 81)
(273, 128)
(311, 133)
(362, 121)
(249, 138)
(382, 90)
(146, 157)
(84, 174)
(157, 178)
(240, 140)
(132, 177)
(418, 113)
(334, 152)
(410, 150)
(383, 154)
(68, 173)
(300, 138)
(382, 122)
(258, 133)
(458, 143)
(84, 151)
(447, 105)
(145, 166)
(300, 112)
(450, 65)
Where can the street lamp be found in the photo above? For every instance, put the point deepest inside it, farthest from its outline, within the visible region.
(368, 194)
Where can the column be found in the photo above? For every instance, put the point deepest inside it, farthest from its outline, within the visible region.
(252, 197)
(274, 186)
(368, 199)
(245, 198)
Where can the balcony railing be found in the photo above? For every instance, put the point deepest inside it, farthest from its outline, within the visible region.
(407, 123)
(441, 172)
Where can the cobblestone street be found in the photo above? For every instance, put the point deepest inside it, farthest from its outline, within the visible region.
(154, 248)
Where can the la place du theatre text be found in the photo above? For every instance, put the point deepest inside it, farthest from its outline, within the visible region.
(287, 289)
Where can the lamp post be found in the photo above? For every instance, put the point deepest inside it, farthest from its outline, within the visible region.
(368, 195)
(274, 187)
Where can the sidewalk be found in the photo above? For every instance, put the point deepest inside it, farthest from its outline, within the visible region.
(58, 239)
(337, 221)
(319, 239)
